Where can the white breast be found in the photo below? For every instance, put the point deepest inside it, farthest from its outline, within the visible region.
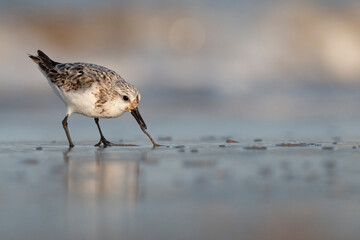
(83, 102)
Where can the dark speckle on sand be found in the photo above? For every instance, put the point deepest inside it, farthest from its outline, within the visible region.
(255, 147)
(179, 146)
(314, 144)
(327, 148)
(292, 144)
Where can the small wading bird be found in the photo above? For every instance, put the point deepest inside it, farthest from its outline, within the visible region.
(91, 90)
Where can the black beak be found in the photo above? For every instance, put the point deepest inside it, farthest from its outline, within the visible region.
(135, 112)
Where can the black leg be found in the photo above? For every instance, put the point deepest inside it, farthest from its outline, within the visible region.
(65, 126)
(102, 138)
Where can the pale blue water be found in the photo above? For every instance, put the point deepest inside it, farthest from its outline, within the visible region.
(178, 193)
(202, 190)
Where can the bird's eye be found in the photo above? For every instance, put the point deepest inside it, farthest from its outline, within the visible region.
(125, 98)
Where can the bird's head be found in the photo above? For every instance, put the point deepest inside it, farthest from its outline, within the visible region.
(129, 99)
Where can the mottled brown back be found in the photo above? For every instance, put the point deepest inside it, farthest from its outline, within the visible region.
(74, 76)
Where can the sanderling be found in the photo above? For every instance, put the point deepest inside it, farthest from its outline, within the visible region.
(91, 90)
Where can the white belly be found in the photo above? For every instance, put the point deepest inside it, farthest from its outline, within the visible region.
(83, 102)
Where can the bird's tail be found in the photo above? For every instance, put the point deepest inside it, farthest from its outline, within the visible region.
(44, 62)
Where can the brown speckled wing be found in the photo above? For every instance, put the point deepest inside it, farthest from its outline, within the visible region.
(75, 76)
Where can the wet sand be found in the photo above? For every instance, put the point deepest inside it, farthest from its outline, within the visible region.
(203, 189)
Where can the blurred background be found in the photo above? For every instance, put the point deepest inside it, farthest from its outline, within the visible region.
(275, 70)
(246, 68)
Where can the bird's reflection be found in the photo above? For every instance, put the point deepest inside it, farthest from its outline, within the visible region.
(102, 178)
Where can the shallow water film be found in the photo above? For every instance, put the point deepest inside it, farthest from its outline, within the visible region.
(209, 188)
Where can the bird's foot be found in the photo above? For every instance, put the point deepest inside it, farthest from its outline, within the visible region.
(106, 143)
(103, 141)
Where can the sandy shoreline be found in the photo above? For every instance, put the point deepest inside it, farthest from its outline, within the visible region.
(191, 189)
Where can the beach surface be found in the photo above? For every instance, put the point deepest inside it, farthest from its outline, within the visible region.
(206, 188)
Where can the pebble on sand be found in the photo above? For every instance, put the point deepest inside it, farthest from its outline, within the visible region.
(255, 148)
(327, 148)
(292, 144)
